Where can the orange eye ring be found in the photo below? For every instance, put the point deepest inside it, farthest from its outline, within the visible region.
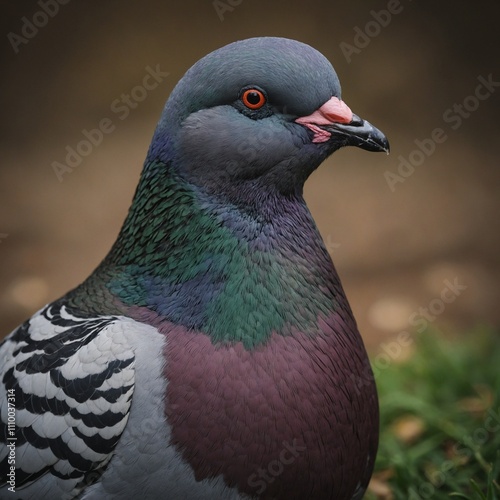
(253, 98)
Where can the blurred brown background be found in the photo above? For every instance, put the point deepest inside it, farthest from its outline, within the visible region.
(394, 248)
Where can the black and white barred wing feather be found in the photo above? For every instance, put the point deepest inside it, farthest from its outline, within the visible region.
(70, 380)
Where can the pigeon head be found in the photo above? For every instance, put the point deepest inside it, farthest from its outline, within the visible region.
(257, 116)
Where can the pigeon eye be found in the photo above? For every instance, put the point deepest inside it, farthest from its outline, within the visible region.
(253, 98)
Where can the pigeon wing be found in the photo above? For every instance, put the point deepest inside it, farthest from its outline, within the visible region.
(66, 385)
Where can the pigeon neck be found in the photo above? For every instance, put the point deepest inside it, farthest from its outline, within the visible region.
(204, 265)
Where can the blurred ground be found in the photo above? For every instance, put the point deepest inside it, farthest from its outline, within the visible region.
(397, 250)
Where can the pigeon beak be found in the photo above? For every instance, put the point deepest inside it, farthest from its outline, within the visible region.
(334, 118)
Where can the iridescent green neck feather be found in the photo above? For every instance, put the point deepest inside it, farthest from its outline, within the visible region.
(214, 268)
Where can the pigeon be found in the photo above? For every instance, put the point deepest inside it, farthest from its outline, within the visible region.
(213, 353)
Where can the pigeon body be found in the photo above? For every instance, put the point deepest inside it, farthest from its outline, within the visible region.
(213, 353)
